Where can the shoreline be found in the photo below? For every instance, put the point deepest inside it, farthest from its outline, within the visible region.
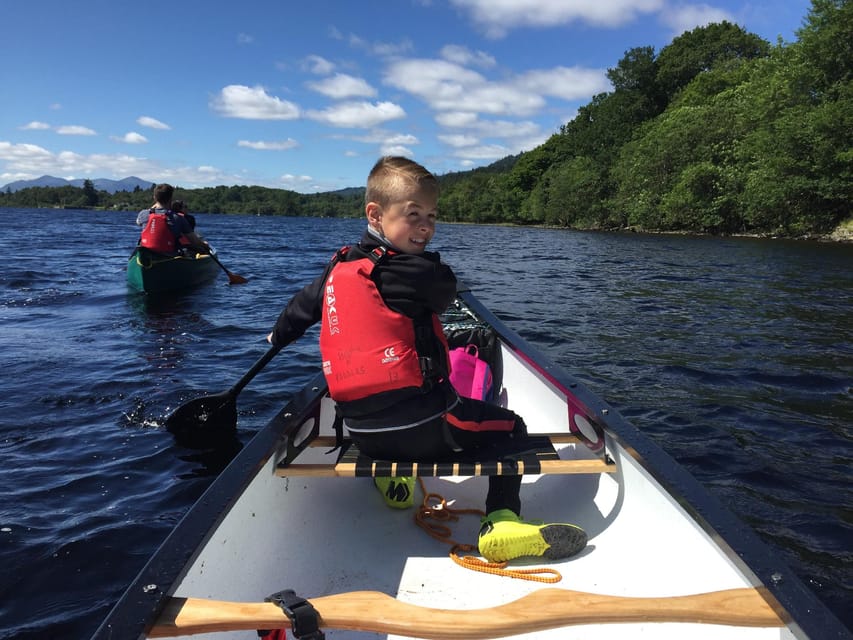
(843, 233)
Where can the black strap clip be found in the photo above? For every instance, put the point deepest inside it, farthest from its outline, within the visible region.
(304, 619)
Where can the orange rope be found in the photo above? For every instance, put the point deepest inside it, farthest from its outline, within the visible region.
(433, 519)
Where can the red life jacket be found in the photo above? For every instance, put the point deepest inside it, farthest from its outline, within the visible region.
(157, 235)
(367, 348)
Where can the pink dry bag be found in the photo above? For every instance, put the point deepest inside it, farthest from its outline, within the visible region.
(469, 375)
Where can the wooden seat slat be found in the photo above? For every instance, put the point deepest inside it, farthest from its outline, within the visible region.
(541, 460)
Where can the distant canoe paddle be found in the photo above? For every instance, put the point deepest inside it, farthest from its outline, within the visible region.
(233, 278)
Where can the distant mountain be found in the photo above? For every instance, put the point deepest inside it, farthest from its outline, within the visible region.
(101, 184)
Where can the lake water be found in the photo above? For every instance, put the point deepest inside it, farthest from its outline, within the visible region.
(735, 355)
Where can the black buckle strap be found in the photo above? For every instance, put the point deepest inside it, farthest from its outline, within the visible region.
(304, 619)
(378, 254)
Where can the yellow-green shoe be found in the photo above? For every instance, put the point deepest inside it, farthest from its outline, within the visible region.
(398, 493)
(504, 536)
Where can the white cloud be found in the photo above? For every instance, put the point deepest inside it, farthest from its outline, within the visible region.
(151, 123)
(23, 152)
(382, 49)
(459, 140)
(484, 152)
(252, 103)
(28, 161)
(396, 150)
(32, 161)
(446, 86)
(74, 130)
(358, 114)
(244, 38)
(294, 183)
(464, 56)
(318, 64)
(683, 18)
(131, 137)
(342, 85)
(515, 136)
(386, 142)
(35, 125)
(456, 118)
(568, 83)
(497, 17)
(268, 146)
(380, 136)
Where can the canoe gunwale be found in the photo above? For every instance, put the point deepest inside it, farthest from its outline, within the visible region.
(143, 601)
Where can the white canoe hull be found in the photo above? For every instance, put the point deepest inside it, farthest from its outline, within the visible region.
(653, 531)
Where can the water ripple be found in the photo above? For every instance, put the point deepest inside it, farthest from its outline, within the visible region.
(736, 356)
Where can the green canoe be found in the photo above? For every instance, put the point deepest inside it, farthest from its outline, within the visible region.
(155, 273)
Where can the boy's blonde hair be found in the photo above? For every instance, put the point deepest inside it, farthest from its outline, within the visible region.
(394, 177)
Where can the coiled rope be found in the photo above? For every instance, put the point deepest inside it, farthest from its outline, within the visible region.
(433, 517)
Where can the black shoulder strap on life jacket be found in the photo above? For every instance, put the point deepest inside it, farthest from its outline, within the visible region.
(340, 255)
(380, 253)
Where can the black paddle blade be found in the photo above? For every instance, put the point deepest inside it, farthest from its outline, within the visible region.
(209, 416)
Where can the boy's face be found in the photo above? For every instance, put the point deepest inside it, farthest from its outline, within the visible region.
(409, 225)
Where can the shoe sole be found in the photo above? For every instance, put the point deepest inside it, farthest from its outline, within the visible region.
(553, 542)
(563, 540)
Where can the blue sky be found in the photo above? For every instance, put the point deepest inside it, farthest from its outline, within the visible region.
(306, 95)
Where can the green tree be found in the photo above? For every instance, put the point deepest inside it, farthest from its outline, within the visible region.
(90, 195)
(571, 195)
(703, 49)
(610, 119)
(826, 39)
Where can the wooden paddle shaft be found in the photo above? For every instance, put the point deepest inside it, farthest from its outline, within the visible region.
(542, 609)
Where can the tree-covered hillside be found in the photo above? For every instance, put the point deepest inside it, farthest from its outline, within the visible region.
(719, 132)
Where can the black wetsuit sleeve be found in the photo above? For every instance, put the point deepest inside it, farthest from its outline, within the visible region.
(415, 285)
(304, 310)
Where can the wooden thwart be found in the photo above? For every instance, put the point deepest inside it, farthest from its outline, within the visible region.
(543, 609)
(542, 458)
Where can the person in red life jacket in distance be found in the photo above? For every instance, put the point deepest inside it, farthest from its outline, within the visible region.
(165, 231)
(385, 358)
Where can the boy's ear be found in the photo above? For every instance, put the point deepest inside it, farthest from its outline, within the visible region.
(373, 212)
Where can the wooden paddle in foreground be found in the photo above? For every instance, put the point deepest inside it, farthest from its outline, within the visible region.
(542, 609)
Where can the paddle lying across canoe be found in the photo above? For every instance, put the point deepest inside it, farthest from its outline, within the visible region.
(293, 535)
(157, 273)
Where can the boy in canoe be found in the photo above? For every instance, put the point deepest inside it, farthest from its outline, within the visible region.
(385, 358)
(164, 230)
